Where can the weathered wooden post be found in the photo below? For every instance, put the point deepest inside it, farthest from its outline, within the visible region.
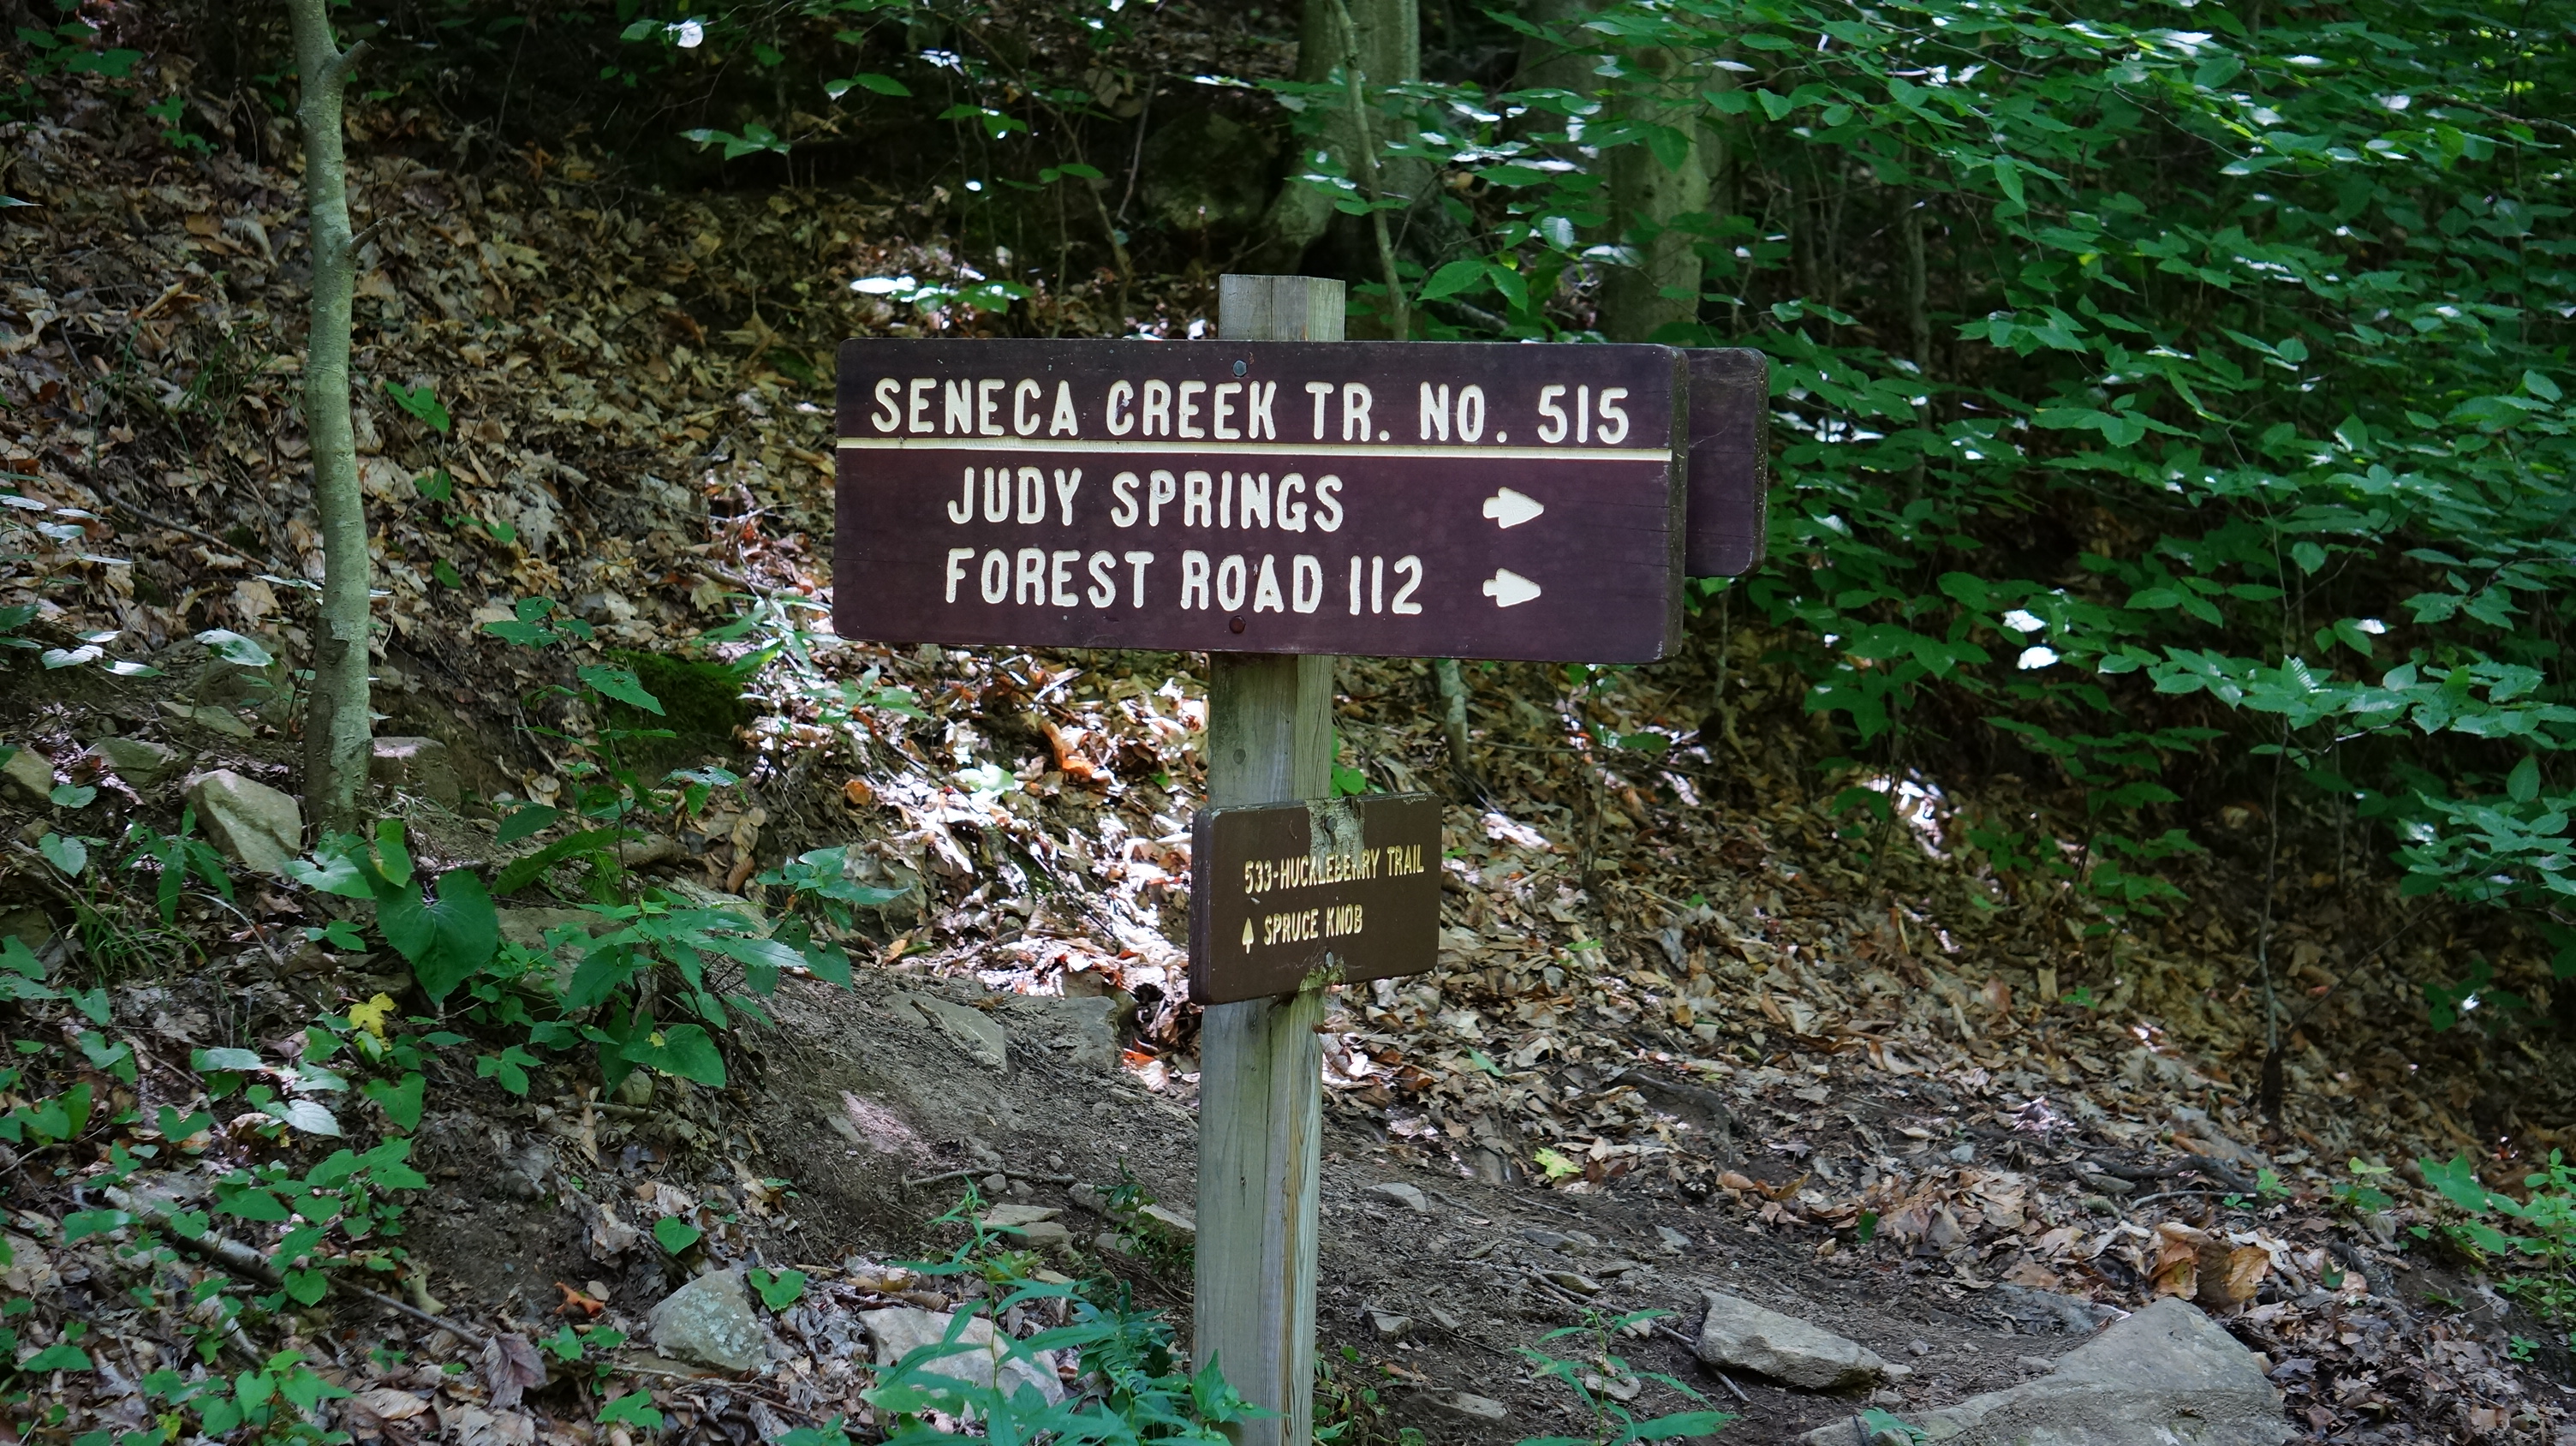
(1269, 740)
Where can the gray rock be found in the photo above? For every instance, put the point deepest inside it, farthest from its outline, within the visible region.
(247, 821)
(2046, 1311)
(1674, 1241)
(709, 1322)
(1081, 1030)
(1410, 1196)
(29, 925)
(420, 767)
(1458, 1408)
(28, 777)
(2165, 1375)
(1166, 1222)
(900, 1330)
(1748, 1337)
(268, 691)
(210, 716)
(138, 761)
(1390, 1326)
(968, 1028)
(1033, 1226)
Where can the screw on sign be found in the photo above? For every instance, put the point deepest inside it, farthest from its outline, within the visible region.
(1273, 498)
(1398, 498)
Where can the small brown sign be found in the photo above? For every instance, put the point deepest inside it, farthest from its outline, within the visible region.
(1348, 887)
(1417, 499)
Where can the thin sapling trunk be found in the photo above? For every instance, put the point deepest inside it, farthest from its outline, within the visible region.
(337, 725)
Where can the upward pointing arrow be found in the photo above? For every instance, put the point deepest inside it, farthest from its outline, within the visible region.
(1509, 589)
(1510, 509)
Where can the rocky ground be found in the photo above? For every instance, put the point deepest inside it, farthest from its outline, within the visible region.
(1693, 1032)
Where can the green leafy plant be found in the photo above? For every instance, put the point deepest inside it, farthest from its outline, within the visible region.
(2361, 1194)
(176, 856)
(71, 48)
(446, 930)
(1603, 1383)
(754, 139)
(1143, 1390)
(2314, 449)
(345, 1201)
(2538, 1231)
(819, 890)
(778, 1289)
(422, 403)
(1349, 1411)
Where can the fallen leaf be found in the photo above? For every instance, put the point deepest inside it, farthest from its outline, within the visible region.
(2229, 1276)
(510, 1366)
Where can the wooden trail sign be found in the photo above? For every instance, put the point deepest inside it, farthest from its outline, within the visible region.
(1730, 461)
(1346, 889)
(1416, 499)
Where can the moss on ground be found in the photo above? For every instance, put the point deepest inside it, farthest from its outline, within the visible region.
(702, 707)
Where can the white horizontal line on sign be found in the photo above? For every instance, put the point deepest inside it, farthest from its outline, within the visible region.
(1266, 449)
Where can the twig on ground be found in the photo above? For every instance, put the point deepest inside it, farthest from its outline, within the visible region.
(2173, 1194)
(977, 1174)
(228, 549)
(250, 1265)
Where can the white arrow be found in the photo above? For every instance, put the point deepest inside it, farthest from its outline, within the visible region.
(1510, 509)
(1508, 588)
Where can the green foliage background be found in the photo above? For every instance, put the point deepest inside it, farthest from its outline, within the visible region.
(2242, 443)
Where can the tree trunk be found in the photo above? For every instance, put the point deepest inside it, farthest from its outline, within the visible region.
(1918, 325)
(1390, 50)
(1653, 207)
(1548, 66)
(337, 724)
(1452, 687)
(1656, 208)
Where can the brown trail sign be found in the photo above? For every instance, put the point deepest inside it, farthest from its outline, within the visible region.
(1344, 890)
(1730, 461)
(1476, 500)
(1273, 498)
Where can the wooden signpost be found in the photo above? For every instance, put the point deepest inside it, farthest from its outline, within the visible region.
(1275, 497)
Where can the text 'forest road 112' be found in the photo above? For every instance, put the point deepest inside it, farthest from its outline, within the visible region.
(1420, 499)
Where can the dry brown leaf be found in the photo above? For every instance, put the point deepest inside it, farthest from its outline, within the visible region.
(510, 1366)
(2230, 1276)
(2034, 1275)
(384, 1403)
(2176, 1268)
